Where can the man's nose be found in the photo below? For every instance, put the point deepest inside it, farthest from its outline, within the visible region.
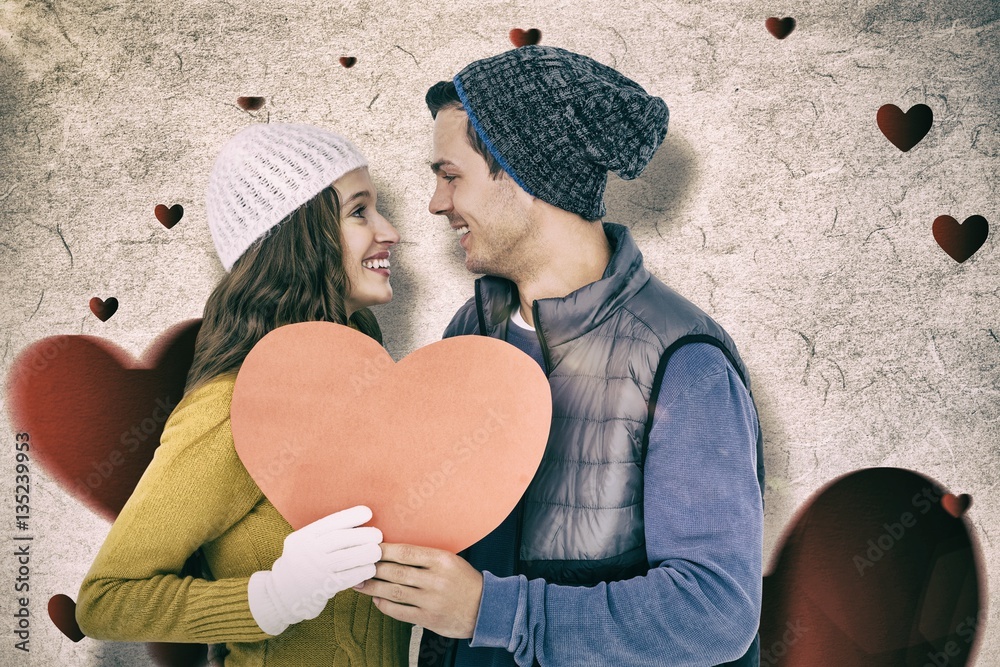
(440, 203)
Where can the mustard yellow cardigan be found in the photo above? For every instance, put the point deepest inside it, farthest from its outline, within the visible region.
(196, 493)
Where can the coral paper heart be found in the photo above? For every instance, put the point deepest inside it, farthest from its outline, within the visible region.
(348, 61)
(521, 38)
(904, 130)
(62, 612)
(169, 217)
(960, 241)
(103, 309)
(780, 28)
(250, 103)
(93, 414)
(956, 505)
(440, 445)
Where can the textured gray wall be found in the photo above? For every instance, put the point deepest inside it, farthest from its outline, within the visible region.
(775, 203)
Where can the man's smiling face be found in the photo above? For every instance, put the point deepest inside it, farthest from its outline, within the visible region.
(496, 212)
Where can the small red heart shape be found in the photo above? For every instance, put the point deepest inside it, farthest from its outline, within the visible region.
(956, 505)
(250, 103)
(94, 413)
(103, 309)
(347, 61)
(168, 217)
(960, 241)
(904, 130)
(178, 655)
(780, 28)
(521, 38)
(62, 612)
(440, 445)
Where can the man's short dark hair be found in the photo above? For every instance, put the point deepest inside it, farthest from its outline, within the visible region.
(444, 95)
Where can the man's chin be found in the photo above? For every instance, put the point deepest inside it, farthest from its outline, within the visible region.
(474, 266)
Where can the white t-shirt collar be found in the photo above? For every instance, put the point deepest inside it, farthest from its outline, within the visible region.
(516, 318)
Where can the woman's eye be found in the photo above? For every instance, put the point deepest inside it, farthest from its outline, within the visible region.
(359, 211)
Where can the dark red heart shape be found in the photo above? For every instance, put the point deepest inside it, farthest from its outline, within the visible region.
(62, 612)
(780, 28)
(956, 505)
(249, 103)
(103, 309)
(169, 217)
(961, 241)
(94, 413)
(348, 61)
(904, 130)
(178, 655)
(872, 571)
(521, 38)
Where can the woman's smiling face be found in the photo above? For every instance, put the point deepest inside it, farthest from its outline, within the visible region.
(367, 237)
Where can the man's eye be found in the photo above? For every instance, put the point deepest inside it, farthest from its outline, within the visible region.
(448, 177)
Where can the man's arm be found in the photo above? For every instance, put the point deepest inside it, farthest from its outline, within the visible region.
(700, 602)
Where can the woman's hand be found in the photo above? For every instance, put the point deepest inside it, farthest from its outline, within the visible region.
(318, 561)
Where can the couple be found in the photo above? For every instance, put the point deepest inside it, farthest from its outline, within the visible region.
(639, 540)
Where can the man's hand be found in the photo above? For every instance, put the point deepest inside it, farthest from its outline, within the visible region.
(431, 588)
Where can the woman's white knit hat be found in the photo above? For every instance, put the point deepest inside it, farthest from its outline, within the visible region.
(264, 173)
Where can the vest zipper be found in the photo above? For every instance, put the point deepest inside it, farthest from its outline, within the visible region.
(541, 339)
(548, 365)
(479, 310)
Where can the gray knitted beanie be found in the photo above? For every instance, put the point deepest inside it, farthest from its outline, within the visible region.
(557, 122)
(264, 173)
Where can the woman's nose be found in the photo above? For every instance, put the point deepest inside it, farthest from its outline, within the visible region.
(386, 232)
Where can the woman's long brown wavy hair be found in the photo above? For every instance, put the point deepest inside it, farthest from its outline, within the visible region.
(294, 273)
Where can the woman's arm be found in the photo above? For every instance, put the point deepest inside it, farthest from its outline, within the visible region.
(193, 491)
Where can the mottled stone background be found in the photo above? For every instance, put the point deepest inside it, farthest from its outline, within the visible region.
(775, 204)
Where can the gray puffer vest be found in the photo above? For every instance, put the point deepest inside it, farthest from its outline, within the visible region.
(605, 348)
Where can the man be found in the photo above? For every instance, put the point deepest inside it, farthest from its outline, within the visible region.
(639, 540)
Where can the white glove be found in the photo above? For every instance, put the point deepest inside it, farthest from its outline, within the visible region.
(318, 561)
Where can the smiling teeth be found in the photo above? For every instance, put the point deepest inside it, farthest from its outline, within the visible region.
(376, 264)
(462, 231)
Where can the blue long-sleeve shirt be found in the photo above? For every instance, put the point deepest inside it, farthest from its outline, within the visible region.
(700, 602)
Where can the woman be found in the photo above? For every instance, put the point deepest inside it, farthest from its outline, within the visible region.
(292, 213)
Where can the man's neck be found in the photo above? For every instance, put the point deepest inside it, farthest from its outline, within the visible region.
(581, 256)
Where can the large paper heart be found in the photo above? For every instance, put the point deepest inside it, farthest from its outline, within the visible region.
(440, 445)
(93, 414)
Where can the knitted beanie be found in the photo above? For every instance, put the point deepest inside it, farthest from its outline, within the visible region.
(557, 122)
(264, 173)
